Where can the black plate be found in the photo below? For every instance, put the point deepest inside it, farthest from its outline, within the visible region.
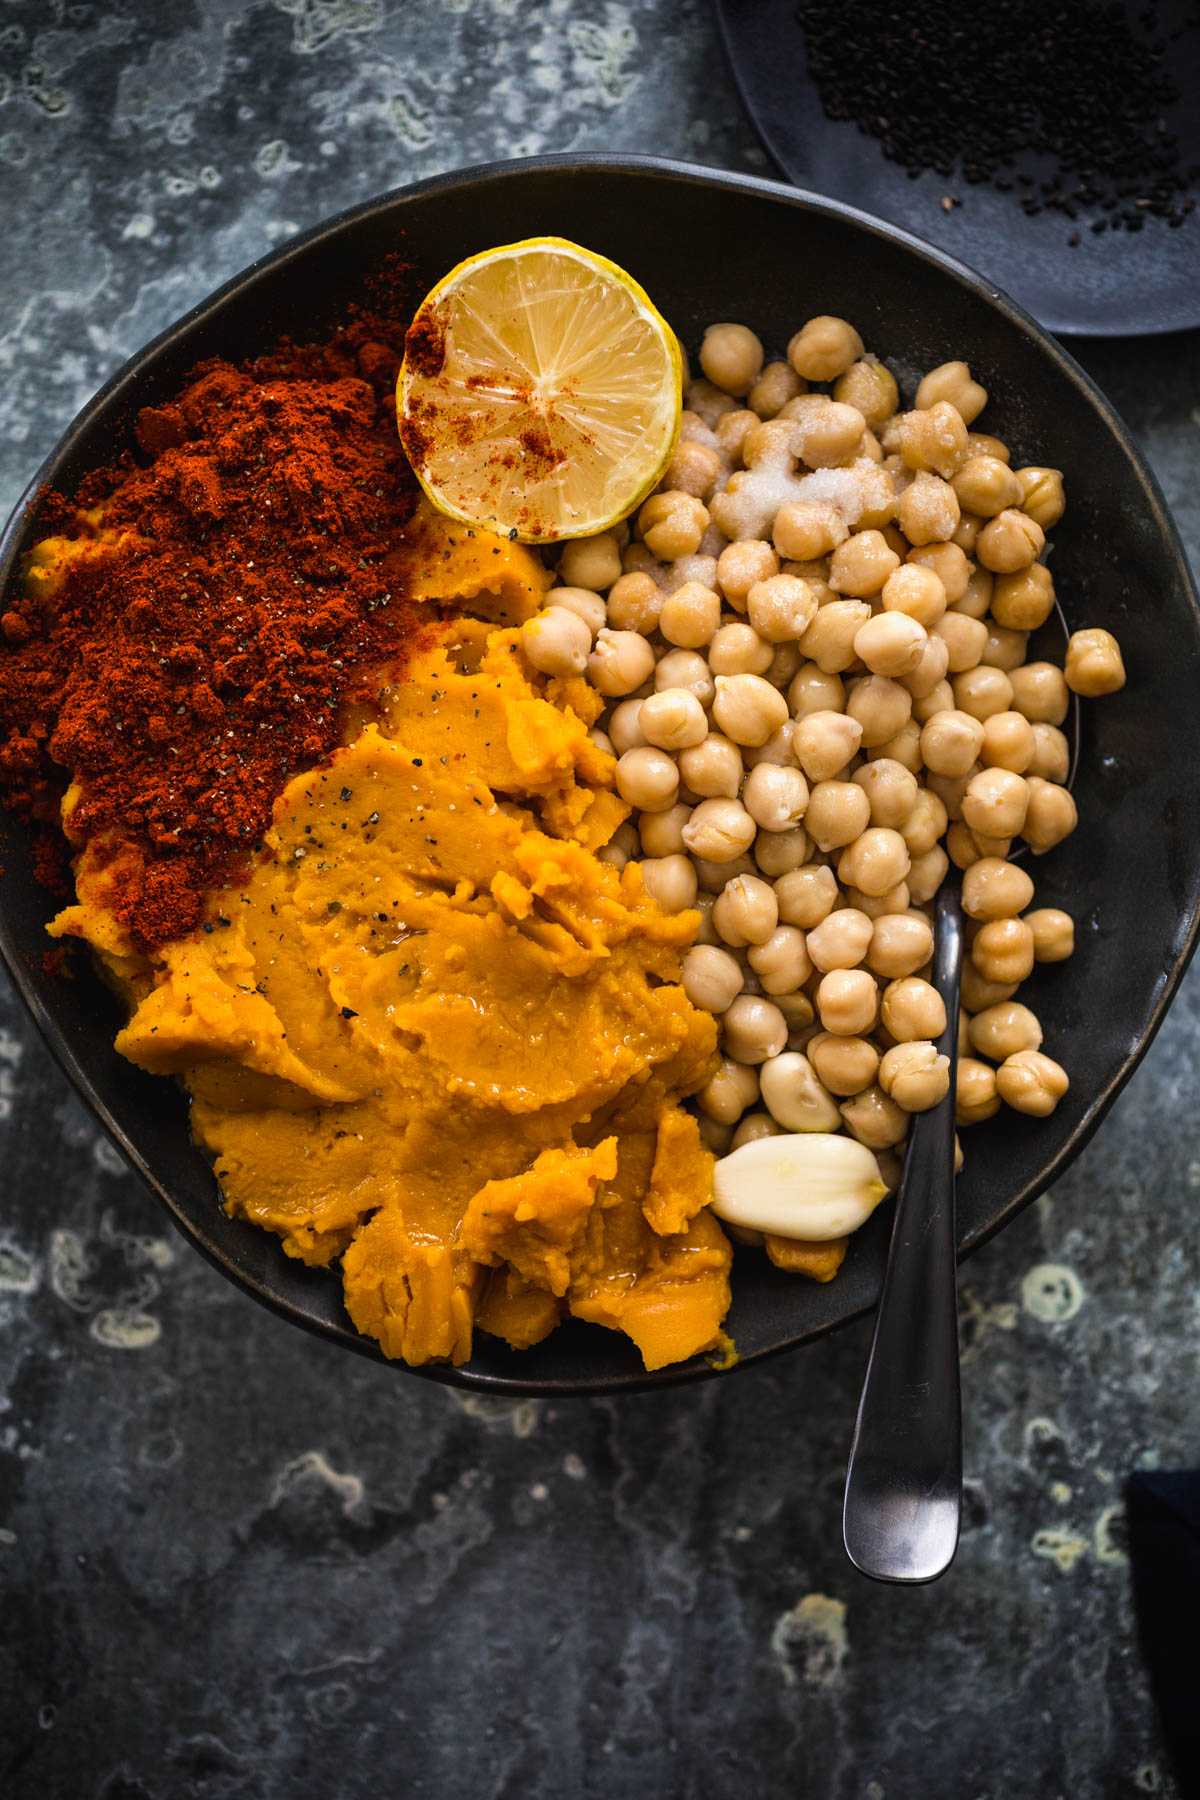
(1118, 284)
(1131, 875)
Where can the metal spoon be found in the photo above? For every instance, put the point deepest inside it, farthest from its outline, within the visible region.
(903, 1500)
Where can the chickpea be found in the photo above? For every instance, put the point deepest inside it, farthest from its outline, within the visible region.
(812, 690)
(917, 591)
(795, 1096)
(996, 803)
(951, 381)
(647, 778)
(838, 812)
(904, 748)
(602, 740)
(977, 992)
(965, 641)
(1051, 815)
(685, 669)
(847, 1002)
(745, 911)
(620, 662)
(584, 603)
(976, 598)
(881, 706)
(737, 649)
(1008, 742)
(876, 906)
(623, 726)
(753, 1126)
(928, 511)
(694, 469)
(672, 524)
(661, 833)
(933, 440)
(1024, 600)
(733, 432)
(975, 1096)
(1039, 690)
(779, 852)
(840, 941)
(1005, 649)
(1001, 1030)
(966, 532)
(961, 846)
(1042, 495)
(846, 1065)
(951, 742)
(741, 566)
(728, 1092)
(777, 384)
(993, 889)
(1030, 1082)
(671, 880)
(925, 823)
(901, 943)
(781, 608)
(1051, 754)
(875, 862)
(915, 1075)
(690, 615)
(938, 699)
(950, 790)
(891, 791)
(775, 796)
(875, 1119)
(1094, 663)
(1009, 542)
(672, 719)
(1053, 934)
(930, 671)
(986, 486)
(712, 768)
(747, 708)
(829, 640)
(782, 963)
(926, 874)
(1003, 950)
(707, 402)
(862, 565)
(556, 642)
(871, 388)
(983, 692)
(806, 529)
(590, 562)
(785, 665)
(890, 644)
(621, 847)
(717, 1138)
(912, 1008)
(754, 1029)
(732, 358)
(824, 348)
(806, 895)
(719, 830)
(634, 604)
(713, 877)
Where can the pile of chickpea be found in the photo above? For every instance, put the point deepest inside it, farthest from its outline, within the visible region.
(813, 644)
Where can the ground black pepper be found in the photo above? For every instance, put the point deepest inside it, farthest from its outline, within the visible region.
(967, 91)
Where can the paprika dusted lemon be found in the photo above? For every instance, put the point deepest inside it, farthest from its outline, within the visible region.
(541, 392)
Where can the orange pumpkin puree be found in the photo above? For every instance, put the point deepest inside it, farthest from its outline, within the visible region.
(431, 1034)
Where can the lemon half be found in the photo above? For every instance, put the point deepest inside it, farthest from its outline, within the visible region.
(540, 393)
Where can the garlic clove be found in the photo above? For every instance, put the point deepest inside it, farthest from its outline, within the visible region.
(813, 1184)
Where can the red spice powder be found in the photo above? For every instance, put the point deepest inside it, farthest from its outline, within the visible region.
(183, 680)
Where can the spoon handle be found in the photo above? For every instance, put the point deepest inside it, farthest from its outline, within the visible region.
(903, 1497)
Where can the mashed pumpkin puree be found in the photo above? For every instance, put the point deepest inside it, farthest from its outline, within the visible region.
(431, 1034)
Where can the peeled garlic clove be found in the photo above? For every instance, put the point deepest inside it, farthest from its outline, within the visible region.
(814, 1184)
(794, 1095)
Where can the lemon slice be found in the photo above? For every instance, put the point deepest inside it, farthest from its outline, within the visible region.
(540, 393)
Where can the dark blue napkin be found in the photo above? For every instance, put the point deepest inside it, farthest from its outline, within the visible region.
(1163, 1509)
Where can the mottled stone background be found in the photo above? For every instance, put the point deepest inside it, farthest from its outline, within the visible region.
(236, 1562)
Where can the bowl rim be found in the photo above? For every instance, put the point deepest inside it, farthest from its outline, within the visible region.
(481, 175)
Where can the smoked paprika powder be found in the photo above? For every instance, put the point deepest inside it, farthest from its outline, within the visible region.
(238, 590)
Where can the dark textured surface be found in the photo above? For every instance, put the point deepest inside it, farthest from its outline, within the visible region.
(238, 1562)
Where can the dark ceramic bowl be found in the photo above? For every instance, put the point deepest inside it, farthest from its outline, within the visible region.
(708, 247)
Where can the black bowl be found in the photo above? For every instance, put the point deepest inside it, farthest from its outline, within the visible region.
(707, 247)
